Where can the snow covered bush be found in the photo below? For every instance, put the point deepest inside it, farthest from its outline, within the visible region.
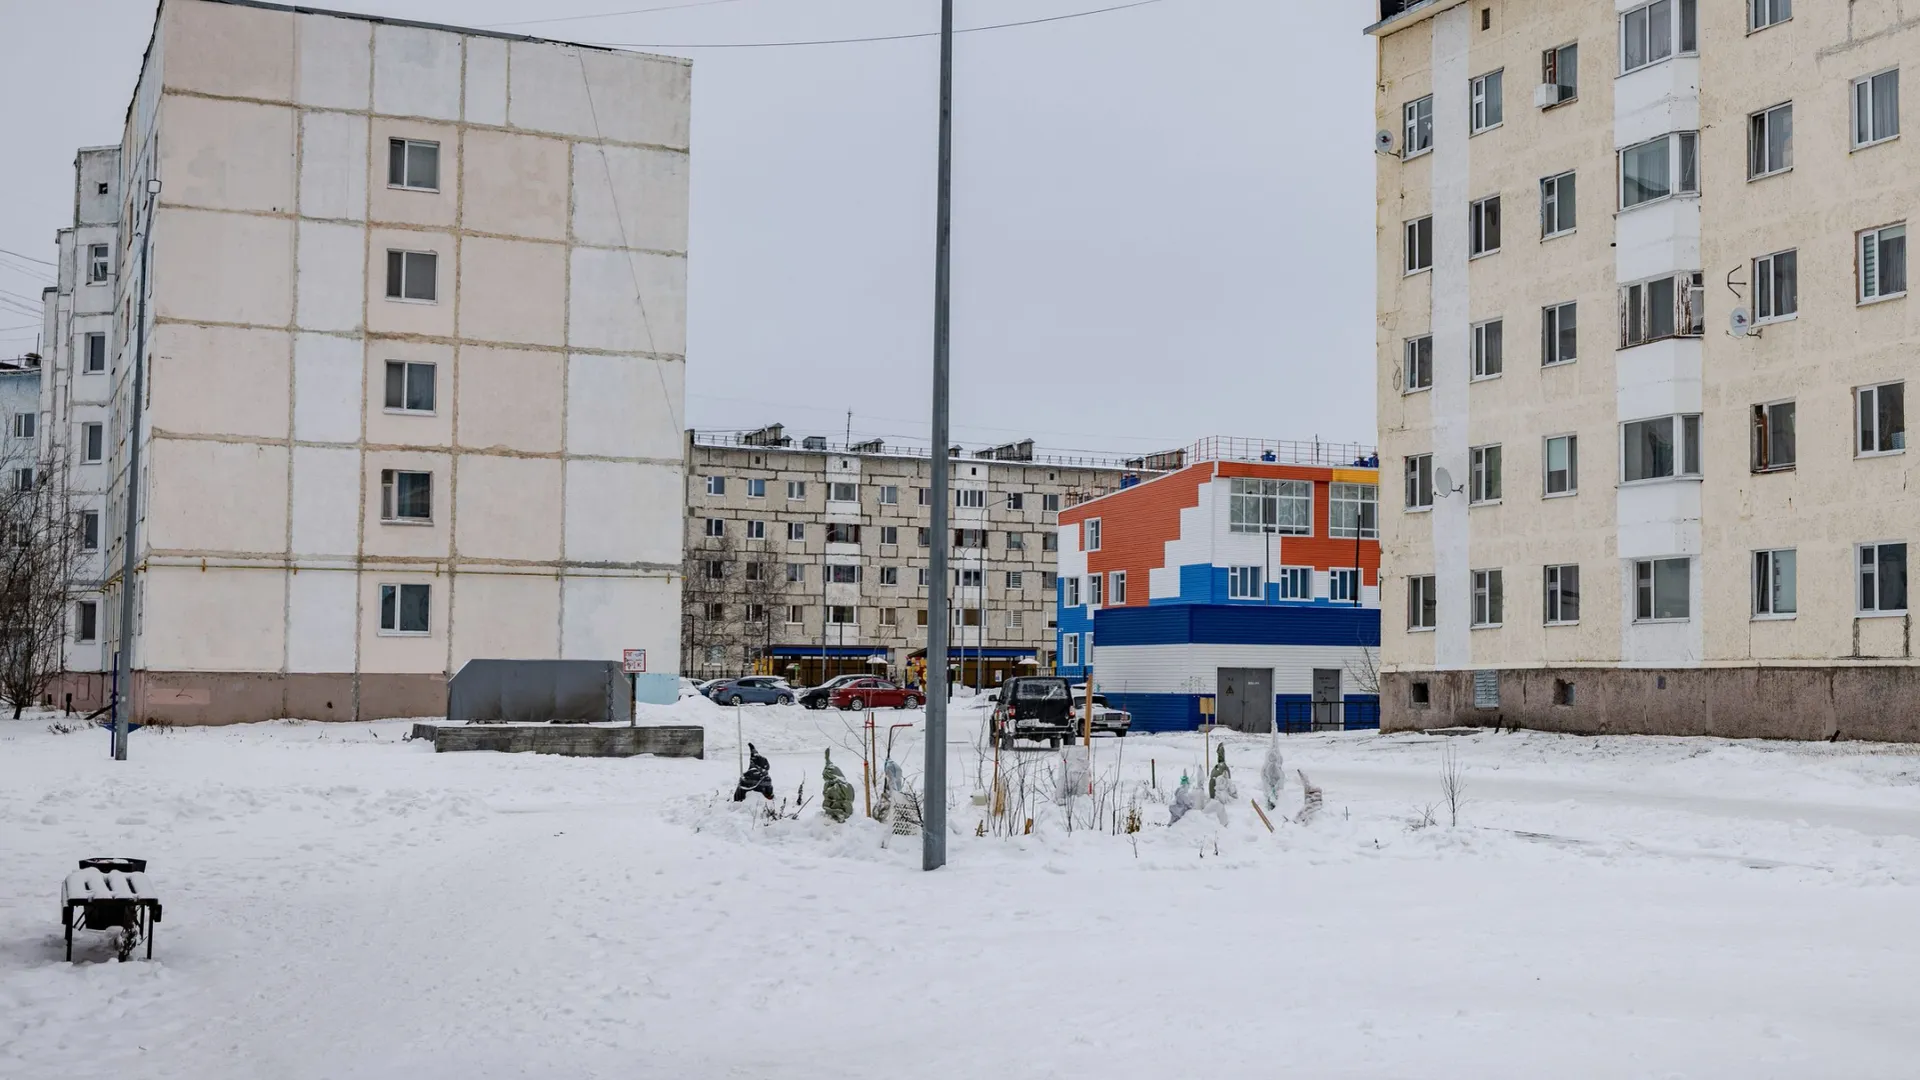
(1273, 773)
(838, 793)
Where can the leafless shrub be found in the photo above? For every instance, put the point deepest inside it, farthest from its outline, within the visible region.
(1423, 817)
(1453, 787)
(39, 547)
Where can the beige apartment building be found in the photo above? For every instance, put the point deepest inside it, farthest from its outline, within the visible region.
(414, 359)
(1596, 349)
(812, 556)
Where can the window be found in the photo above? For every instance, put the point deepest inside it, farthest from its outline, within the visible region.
(1270, 506)
(1293, 583)
(974, 579)
(1419, 365)
(1882, 418)
(1092, 529)
(1070, 592)
(921, 496)
(889, 575)
(1484, 104)
(970, 498)
(797, 531)
(1662, 308)
(924, 536)
(1086, 646)
(1050, 503)
(413, 164)
(1776, 286)
(1651, 32)
(920, 617)
(755, 571)
(889, 495)
(841, 491)
(796, 490)
(1353, 510)
(1660, 589)
(1016, 541)
(920, 576)
(1418, 138)
(1770, 141)
(1774, 587)
(1876, 109)
(756, 613)
(1557, 205)
(715, 654)
(1420, 245)
(966, 617)
(970, 538)
(716, 485)
(756, 488)
(406, 496)
(1016, 501)
(405, 609)
(1049, 541)
(842, 533)
(99, 264)
(716, 570)
(1343, 586)
(1014, 620)
(1070, 650)
(86, 621)
(1420, 694)
(795, 614)
(96, 354)
(1117, 587)
(1883, 262)
(410, 275)
(1563, 594)
(1647, 448)
(1243, 583)
(93, 443)
(1483, 226)
(1420, 482)
(1767, 12)
(1487, 361)
(1559, 334)
(756, 530)
(1560, 69)
(1489, 601)
(1096, 590)
(843, 575)
(796, 573)
(89, 530)
(1563, 464)
(1883, 579)
(1047, 579)
(409, 386)
(1016, 580)
(716, 527)
(889, 616)
(1773, 436)
(1421, 603)
(889, 535)
(25, 425)
(23, 479)
(1484, 484)
(1657, 168)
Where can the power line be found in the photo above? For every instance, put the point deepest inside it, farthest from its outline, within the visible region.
(879, 37)
(610, 14)
(29, 258)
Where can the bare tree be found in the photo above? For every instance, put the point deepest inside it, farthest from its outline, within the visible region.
(1364, 670)
(1453, 784)
(709, 639)
(39, 546)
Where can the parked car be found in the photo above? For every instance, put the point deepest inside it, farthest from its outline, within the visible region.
(752, 690)
(819, 697)
(689, 688)
(1106, 718)
(1032, 707)
(872, 693)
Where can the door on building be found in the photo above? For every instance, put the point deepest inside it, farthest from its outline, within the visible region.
(1245, 700)
(1326, 699)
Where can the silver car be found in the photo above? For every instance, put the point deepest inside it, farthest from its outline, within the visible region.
(1106, 719)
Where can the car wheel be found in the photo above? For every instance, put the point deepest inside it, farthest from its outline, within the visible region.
(1006, 742)
(783, 699)
(817, 703)
(1120, 734)
(1053, 743)
(856, 704)
(734, 700)
(910, 702)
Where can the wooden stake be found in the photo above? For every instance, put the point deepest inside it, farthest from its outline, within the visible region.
(1263, 814)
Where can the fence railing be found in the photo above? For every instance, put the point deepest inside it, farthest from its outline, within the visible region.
(1350, 714)
(1283, 451)
(818, 445)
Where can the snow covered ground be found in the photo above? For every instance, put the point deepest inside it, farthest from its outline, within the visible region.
(341, 903)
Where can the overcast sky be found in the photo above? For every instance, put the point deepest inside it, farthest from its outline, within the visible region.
(1162, 216)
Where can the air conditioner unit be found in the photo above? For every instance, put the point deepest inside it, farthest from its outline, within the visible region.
(1546, 95)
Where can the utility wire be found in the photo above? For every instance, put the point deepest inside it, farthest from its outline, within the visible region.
(29, 258)
(878, 37)
(610, 14)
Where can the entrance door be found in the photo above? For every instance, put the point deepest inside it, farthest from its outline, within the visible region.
(1326, 699)
(1245, 700)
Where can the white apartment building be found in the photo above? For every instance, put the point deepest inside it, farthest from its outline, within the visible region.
(1595, 348)
(415, 348)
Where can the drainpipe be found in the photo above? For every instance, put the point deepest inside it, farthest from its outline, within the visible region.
(123, 678)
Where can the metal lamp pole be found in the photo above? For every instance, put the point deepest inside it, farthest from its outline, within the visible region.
(933, 829)
(123, 676)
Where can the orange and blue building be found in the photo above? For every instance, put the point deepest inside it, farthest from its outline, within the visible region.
(1249, 571)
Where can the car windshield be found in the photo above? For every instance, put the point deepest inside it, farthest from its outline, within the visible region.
(1041, 690)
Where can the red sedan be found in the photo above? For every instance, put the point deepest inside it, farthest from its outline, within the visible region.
(875, 693)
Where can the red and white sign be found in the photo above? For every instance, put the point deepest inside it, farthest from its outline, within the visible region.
(633, 660)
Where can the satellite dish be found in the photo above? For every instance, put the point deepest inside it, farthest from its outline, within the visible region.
(1740, 322)
(1383, 141)
(1444, 480)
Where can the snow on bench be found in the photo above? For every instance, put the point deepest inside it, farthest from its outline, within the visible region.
(86, 886)
(95, 899)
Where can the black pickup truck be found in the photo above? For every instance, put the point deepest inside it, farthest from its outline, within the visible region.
(1037, 708)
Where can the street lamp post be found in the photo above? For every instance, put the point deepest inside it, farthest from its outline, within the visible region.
(933, 830)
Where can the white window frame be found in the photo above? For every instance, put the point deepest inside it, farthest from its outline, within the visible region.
(1682, 159)
(407, 370)
(99, 264)
(26, 425)
(1016, 541)
(1246, 583)
(1866, 573)
(716, 527)
(1767, 578)
(841, 615)
(1344, 584)
(1639, 304)
(796, 614)
(1483, 475)
(889, 575)
(796, 573)
(1014, 621)
(796, 532)
(93, 442)
(400, 152)
(1556, 322)
(889, 617)
(1069, 650)
(1050, 503)
(1766, 437)
(1488, 348)
(1486, 104)
(89, 530)
(1091, 529)
(1116, 586)
(1681, 38)
(1270, 506)
(88, 366)
(1555, 582)
(920, 577)
(1762, 127)
(889, 536)
(1776, 286)
(84, 612)
(1416, 364)
(1571, 484)
(390, 497)
(796, 490)
(756, 487)
(1017, 580)
(1863, 113)
(1554, 69)
(409, 273)
(716, 485)
(1069, 591)
(970, 498)
(1867, 408)
(1291, 583)
(889, 495)
(847, 532)
(1360, 501)
(398, 592)
(1096, 590)
(1417, 250)
(1423, 604)
(1559, 204)
(1419, 483)
(1684, 440)
(1416, 127)
(1646, 590)
(1483, 227)
(1870, 256)
(1489, 598)
(1764, 13)
(841, 491)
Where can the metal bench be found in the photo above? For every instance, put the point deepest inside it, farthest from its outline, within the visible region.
(109, 894)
